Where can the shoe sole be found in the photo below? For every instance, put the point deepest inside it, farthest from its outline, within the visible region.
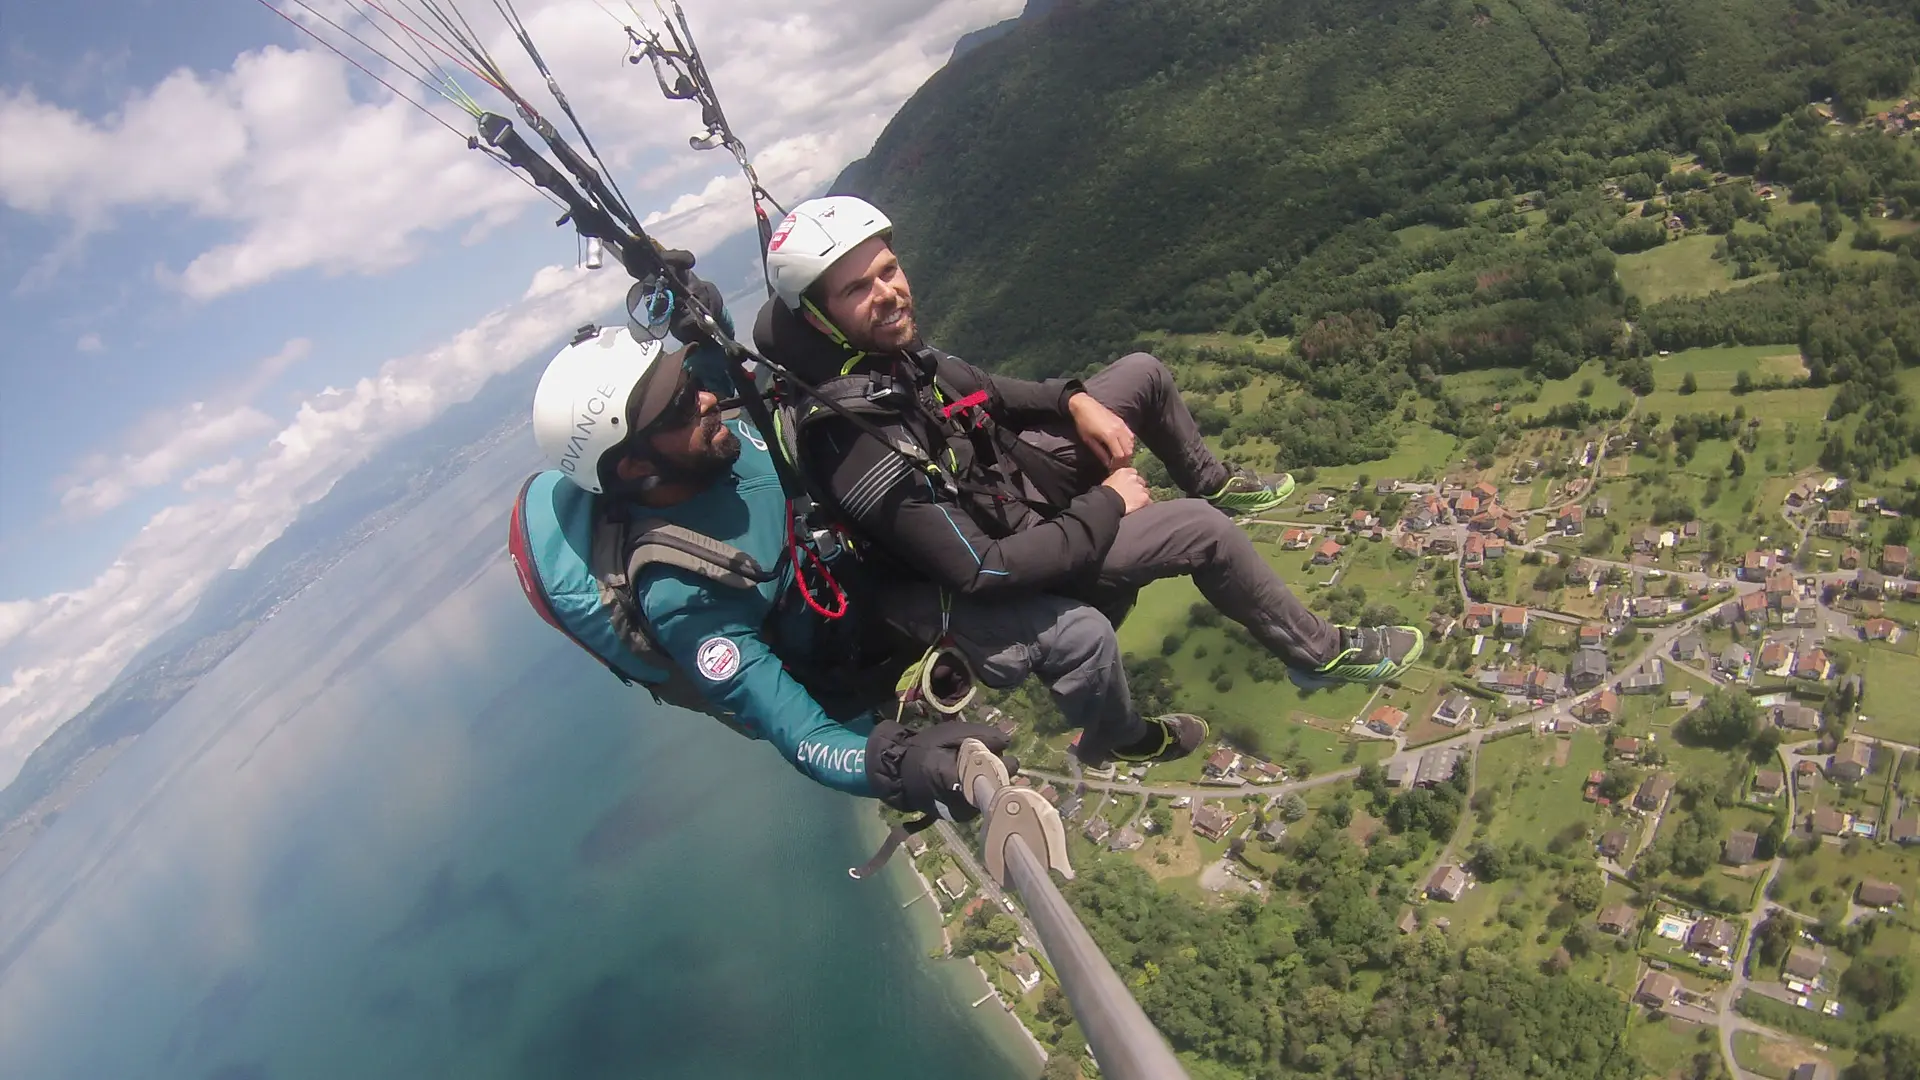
(1280, 494)
(1310, 680)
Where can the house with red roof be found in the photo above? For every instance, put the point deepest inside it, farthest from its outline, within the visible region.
(1386, 720)
(1513, 621)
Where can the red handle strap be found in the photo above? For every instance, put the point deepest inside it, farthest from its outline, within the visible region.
(795, 551)
(978, 397)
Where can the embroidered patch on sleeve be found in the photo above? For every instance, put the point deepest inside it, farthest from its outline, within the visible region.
(717, 658)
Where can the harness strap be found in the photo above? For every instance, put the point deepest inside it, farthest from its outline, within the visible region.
(846, 397)
(674, 546)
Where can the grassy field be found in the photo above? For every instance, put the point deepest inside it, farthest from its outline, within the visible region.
(1284, 714)
(1607, 393)
(1420, 447)
(1892, 673)
(1683, 267)
(1770, 1057)
(1821, 881)
(1714, 371)
(1537, 796)
(1667, 1045)
(1388, 578)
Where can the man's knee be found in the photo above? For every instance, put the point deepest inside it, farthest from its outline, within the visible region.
(1144, 368)
(1079, 637)
(1041, 634)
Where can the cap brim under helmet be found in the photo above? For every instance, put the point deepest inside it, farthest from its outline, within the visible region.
(649, 402)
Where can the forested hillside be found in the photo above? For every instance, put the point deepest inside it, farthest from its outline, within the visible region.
(1406, 188)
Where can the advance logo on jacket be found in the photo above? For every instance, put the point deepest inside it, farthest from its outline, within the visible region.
(717, 658)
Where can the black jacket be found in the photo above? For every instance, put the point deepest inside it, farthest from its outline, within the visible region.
(984, 538)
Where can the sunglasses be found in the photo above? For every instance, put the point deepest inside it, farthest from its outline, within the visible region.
(681, 410)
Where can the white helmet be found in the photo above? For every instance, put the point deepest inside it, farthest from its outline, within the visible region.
(594, 394)
(814, 237)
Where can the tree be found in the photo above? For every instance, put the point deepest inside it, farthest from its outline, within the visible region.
(1724, 721)
(1688, 384)
(1621, 779)
(1579, 939)
(1878, 984)
(1061, 1065)
(1737, 465)
(1773, 937)
(1886, 1056)
(1292, 809)
(1583, 891)
(1489, 862)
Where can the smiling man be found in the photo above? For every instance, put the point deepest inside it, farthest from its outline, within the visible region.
(1007, 487)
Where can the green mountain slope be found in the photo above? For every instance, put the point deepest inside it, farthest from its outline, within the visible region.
(1372, 197)
(1118, 168)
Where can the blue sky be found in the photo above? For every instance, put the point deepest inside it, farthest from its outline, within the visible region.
(230, 269)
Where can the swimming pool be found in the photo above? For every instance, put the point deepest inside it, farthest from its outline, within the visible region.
(1672, 927)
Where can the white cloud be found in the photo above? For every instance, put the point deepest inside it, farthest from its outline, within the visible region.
(278, 148)
(164, 445)
(214, 475)
(67, 647)
(15, 617)
(89, 343)
(306, 170)
(268, 369)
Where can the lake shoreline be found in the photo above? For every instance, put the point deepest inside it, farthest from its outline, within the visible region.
(964, 979)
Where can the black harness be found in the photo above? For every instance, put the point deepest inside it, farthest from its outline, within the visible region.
(907, 391)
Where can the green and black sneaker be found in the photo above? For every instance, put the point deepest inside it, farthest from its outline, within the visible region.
(1244, 493)
(1372, 654)
(1168, 738)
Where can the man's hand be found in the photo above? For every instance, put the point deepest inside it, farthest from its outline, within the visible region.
(1108, 436)
(1131, 486)
(684, 326)
(919, 771)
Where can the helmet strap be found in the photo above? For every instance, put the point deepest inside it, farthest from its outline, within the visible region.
(833, 332)
(835, 335)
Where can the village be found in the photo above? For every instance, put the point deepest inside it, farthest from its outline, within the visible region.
(1593, 678)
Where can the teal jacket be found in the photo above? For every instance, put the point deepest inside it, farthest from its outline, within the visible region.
(724, 639)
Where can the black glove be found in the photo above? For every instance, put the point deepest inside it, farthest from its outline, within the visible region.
(683, 324)
(919, 771)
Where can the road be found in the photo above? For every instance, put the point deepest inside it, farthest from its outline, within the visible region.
(1198, 791)
(1729, 1021)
